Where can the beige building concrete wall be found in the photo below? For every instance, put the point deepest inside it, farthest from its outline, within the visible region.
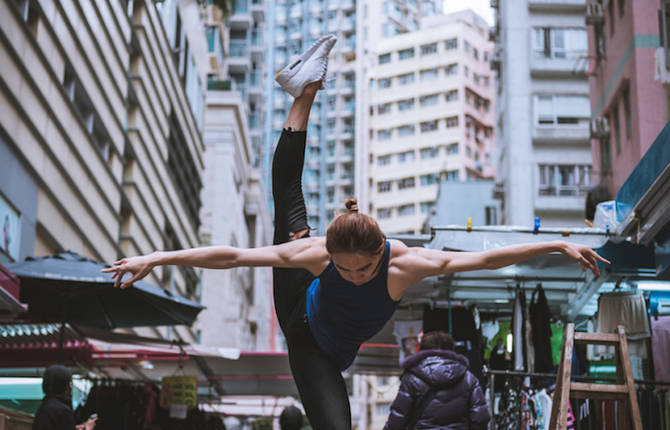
(86, 92)
(239, 310)
(470, 159)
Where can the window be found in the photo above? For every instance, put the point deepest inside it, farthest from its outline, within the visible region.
(406, 130)
(429, 100)
(406, 183)
(466, 71)
(451, 95)
(383, 213)
(406, 79)
(475, 53)
(404, 54)
(564, 179)
(430, 179)
(560, 42)
(466, 46)
(383, 160)
(428, 126)
(626, 107)
(406, 210)
(452, 148)
(384, 83)
(430, 48)
(451, 69)
(384, 187)
(431, 152)
(451, 175)
(452, 121)
(560, 110)
(427, 207)
(404, 105)
(406, 157)
(385, 58)
(384, 134)
(490, 215)
(451, 44)
(616, 131)
(384, 108)
(389, 29)
(429, 74)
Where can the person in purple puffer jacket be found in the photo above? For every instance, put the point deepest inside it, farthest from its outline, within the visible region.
(437, 391)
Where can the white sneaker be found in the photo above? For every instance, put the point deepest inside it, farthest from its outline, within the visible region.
(310, 66)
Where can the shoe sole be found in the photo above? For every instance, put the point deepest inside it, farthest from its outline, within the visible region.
(302, 59)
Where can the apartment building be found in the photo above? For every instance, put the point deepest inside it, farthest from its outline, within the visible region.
(293, 25)
(628, 105)
(429, 117)
(542, 111)
(101, 130)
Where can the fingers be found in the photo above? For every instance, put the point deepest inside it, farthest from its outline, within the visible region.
(132, 279)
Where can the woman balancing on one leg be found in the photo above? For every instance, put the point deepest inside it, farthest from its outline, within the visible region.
(335, 292)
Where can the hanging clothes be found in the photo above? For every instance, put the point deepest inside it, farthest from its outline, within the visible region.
(517, 332)
(660, 346)
(540, 316)
(466, 336)
(407, 336)
(630, 310)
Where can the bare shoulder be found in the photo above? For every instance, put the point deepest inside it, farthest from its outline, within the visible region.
(402, 269)
(313, 253)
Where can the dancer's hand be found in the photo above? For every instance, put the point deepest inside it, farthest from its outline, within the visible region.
(585, 256)
(139, 267)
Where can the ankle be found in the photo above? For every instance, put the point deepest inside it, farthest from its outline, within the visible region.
(311, 89)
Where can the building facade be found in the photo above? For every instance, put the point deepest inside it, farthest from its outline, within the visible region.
(429, 117)
(628, 105)
(293, 25)
(101, 131)
(542, 111)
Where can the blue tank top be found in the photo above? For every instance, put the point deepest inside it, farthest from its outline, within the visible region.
(343, 315)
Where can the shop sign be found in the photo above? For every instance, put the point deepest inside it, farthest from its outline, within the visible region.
(9, 229)
(179, 390)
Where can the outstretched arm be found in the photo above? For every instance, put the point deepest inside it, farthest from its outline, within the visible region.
(303, 253)
(423, 262)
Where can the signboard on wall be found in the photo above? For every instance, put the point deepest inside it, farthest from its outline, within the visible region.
(9, 230)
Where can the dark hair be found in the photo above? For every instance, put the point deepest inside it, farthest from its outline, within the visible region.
(290, 418)
(354, 232)
(437, 340)
(56, 379)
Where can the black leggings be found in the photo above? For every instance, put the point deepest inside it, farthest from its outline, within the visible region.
(317, 376)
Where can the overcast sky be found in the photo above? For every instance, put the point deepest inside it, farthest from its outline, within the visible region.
(480, 6)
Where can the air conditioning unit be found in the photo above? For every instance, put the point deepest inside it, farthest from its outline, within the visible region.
(600, 128)
(594, 14)
(493, 4)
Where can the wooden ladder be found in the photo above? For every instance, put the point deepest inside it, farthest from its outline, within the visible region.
(623, 390)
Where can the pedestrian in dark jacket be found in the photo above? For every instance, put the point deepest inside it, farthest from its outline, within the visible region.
(55, 411)
(437, 390)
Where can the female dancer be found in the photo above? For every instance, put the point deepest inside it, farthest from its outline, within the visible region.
(332, 293)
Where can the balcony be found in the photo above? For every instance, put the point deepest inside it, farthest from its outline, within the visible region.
(577, 133)
(239, 60)
(240, 18)
(348, 5)
(574, 64)
(560, 203)
(348, 25)
(557, 5)
(219, 85)
(258, 10)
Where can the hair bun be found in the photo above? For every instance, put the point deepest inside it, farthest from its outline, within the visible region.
(351, 205)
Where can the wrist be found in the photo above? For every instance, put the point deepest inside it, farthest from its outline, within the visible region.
(560, 246)
(157, 258)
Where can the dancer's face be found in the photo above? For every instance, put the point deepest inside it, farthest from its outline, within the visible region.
(357, 267)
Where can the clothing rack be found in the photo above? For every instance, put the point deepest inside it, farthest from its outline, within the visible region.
(111, 382)
(582, 378)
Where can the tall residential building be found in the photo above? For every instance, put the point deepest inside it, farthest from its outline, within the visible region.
(628, 105)
(429, 117)
(101, 109)
(293, 25)
(542, 111)
(234, 208)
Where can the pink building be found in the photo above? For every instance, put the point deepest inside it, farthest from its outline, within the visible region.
(627, 104)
